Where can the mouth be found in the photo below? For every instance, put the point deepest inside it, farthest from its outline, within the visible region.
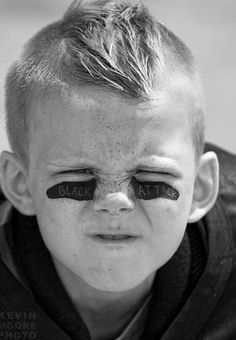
(114, 237)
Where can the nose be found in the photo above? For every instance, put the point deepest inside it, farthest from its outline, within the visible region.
(114, 203)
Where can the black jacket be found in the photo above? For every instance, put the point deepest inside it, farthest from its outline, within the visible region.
(209, 312)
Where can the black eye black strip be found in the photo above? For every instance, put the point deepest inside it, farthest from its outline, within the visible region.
(84, 191)
(80, 191)
(152, 190)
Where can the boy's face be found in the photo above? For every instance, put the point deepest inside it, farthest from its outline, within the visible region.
(97, 135)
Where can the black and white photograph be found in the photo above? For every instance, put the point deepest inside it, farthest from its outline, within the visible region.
(117, 170)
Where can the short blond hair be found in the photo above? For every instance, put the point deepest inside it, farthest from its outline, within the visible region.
(114, 44)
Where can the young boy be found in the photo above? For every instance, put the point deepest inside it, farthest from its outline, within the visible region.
(112, 226)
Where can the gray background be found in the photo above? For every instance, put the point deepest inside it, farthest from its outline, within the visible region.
(208, 27)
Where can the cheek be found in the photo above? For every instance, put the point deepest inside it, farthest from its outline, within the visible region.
(168, 223)
(165, 213)
(168, 219)
(60, 222)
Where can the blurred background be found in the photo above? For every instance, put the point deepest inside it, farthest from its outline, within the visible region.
(207, 27)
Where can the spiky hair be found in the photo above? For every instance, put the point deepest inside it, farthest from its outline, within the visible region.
(116, 45)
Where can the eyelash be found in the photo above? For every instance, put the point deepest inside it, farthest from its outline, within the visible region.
(78, 171)
(153, 172)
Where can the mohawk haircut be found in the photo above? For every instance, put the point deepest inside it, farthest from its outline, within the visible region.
(116, 45)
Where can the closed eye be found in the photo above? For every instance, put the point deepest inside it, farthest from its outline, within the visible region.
(153, 172)
(76, 172)
(153, 176)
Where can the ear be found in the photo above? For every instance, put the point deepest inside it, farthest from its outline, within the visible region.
(14, 183)
(205, 187)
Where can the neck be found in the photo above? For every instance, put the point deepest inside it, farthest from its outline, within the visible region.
(106, 314)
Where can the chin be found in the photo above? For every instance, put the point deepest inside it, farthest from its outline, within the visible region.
(113, 280)
(115, 286)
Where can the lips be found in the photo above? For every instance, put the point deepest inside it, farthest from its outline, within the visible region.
(114, 237)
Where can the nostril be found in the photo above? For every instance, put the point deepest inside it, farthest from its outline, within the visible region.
(113, 212)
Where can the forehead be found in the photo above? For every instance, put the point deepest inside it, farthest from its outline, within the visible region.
(94, 125)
